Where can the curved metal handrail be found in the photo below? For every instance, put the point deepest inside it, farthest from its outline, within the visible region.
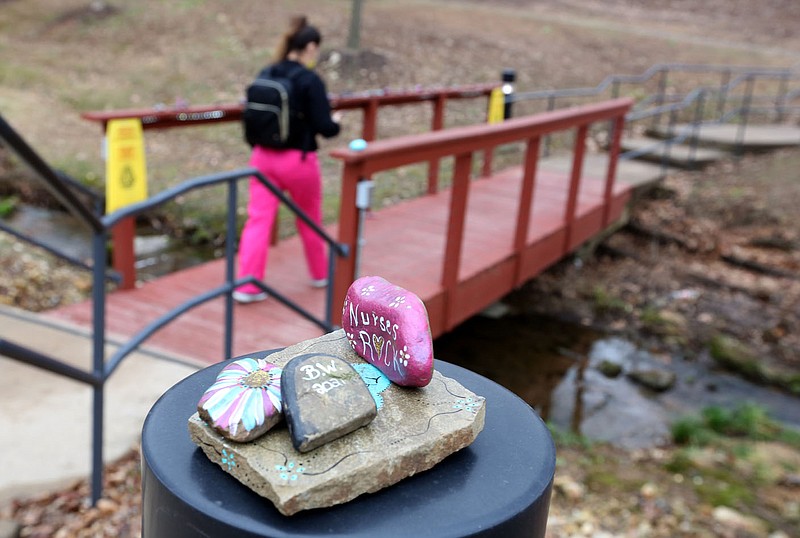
(230, 178)
(648, 74)
(102, 368)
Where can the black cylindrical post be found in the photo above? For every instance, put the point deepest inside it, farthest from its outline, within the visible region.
(499, 486)
(509, 77)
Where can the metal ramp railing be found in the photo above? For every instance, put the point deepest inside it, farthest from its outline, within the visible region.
(100, 227)
(693, 94)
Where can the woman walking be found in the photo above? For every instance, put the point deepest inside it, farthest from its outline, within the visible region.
(294, 168)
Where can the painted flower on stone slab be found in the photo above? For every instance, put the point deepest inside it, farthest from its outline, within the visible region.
(244, 401)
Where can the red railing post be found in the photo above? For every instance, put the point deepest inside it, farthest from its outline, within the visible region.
(123, 253)
(437, 124)
(369, 130)
(348, 234)
(525, 204)
(462, 144)
(455, 231)
(488, 155)
(613, 157)
(574, 185)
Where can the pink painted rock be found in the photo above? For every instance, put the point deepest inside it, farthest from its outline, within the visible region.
(244, 401)
(388, 326)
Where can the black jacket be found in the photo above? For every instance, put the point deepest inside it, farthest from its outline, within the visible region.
(311, 110)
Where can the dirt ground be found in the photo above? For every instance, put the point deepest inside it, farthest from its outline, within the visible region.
(707, 269)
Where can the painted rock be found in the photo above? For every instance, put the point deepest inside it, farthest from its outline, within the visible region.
(324, 398)
(388, 326)
(244, 401)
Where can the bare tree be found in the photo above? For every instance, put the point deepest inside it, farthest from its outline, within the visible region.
(354, 36)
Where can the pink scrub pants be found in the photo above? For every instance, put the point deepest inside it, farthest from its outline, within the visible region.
(299, 177)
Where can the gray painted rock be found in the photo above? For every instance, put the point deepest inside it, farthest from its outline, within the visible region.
(244, 401)
(324, 398)
(388, 327)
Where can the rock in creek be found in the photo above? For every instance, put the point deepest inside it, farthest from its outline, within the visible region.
(388, 326)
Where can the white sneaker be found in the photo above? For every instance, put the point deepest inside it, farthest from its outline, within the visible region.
(244, 298)
(319, 282)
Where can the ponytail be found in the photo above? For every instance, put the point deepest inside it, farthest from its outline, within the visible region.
(297, 37)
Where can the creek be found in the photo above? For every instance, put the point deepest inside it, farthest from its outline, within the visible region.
(156, 255)
(556, 366)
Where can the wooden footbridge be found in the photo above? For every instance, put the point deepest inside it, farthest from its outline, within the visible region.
(459, 248)
(467, 242)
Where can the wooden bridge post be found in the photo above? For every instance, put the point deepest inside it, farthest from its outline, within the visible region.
(574, 185)
(618, 124)
(348, 234)
(525, 207)
(369, 130)
(455, 232)
(437, 124)
(124, 254)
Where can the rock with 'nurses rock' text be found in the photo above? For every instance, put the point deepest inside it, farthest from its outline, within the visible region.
(388, 326)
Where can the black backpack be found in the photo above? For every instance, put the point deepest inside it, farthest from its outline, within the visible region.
(267, 113)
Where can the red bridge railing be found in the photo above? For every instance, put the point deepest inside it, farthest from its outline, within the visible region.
(461, 144)
(369, 103)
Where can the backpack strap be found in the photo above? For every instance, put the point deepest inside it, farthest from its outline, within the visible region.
(292, 74)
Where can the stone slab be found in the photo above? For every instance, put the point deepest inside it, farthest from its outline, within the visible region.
(415, 429)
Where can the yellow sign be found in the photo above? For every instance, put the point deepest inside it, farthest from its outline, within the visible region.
(496, 106)
(126, 173)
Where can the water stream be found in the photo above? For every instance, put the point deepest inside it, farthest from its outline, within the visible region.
(156, 255)
(555, 367)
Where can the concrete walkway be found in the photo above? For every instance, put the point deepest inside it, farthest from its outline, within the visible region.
(679, 155)
(46, 441)
(729, 136)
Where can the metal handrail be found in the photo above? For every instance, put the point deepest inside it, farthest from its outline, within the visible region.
(651, 72)
(102, 369)
(109, 221)
(654, 106)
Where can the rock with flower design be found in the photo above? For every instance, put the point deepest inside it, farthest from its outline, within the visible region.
(324, 398)
(388, 327)
(245, 400)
